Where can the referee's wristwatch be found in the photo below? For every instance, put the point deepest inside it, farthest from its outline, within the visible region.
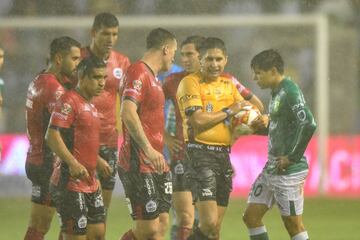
(227, 111)
(228, 114)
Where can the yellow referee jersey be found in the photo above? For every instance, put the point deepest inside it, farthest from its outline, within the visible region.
(213, 96)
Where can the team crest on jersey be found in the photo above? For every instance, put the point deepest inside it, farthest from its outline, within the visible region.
(117, 72)
(301, 115)
(151, 206)
(66, 108)
(137, 84)
(82, 222)
(209, 107)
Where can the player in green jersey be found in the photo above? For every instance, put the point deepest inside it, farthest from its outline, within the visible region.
(289, 126)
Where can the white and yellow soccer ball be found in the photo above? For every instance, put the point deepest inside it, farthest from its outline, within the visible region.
(241, 122)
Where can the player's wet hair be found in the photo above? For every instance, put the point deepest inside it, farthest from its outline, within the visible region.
(158, 37)
(196, 40)
(106, 20)
(87, 65)
(267, 59)
(211, 43)
(62, 45)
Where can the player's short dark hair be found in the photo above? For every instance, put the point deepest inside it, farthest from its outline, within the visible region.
(267, 59)
(87, 65)
(62, 45)
(211, 43)
(106, 20)
(196, 40)
(158, 37)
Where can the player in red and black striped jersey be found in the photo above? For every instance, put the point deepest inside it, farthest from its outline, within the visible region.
(142, 168)
(43, 92)
(73, 134)
(182, 198)
(104, 34)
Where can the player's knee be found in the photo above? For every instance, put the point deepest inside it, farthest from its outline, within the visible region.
(41, 224)
(293, 226)
(149, 232)
(208, 226)
(186, 219)
(251, 220)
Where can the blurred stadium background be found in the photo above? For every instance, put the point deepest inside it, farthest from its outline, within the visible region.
(319, 40)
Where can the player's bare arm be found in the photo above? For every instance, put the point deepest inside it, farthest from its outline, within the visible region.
(131, 120)
(103, 167)
(254, 100)
(57, 145)
(174, 144)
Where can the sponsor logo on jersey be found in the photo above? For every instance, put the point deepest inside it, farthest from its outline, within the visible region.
(188, 97)
(66, 108)
(275, 104)
(151, 206)
(60, 116)
(209, 107)
(137, 84)
(29, 103)
(99, 201)
(218, 91)
(118, 73)
(59, 92)
(82, 222)
(130, 90)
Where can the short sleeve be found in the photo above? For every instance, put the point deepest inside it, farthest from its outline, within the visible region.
(188, 93)
(135, 83)
(64, 113)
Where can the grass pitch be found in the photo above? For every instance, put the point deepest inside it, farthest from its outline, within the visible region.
(325, 219)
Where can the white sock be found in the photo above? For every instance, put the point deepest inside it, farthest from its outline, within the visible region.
(301, 236)
(257, 231)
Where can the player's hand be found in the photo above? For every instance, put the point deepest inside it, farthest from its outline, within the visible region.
(154, 158)
(238, 106)
(174, 145)
(260, 123)
(283, 163)
(78, 171)
(103, 168)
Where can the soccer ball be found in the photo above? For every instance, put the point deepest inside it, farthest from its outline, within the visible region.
(242, 120)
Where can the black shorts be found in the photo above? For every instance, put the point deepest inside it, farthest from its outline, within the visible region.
(40, 178)
(180, 181)
(210, 172)
(110, 155)
(78, 209)
(147, 194)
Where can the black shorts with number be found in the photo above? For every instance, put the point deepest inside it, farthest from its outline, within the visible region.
(77, 209)
(210, 172)
(110, 155)
(147, 194)
(180, 180)
(40, 178)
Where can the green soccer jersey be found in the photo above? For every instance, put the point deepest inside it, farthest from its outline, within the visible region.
(290, 129)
